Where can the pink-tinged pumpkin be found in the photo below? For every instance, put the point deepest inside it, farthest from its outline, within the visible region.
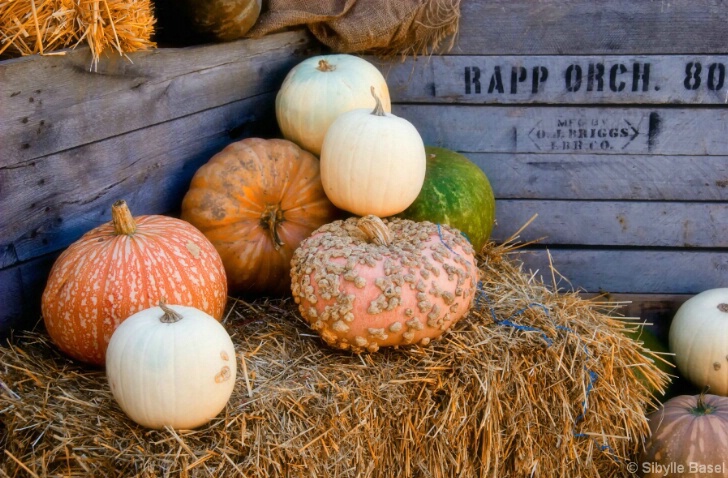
(366, 283)
(123, 267)
(688, 438)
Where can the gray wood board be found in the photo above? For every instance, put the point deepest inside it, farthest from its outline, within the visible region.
(49, 202)
(53, 103)
(635, 271)
(568, 129)
(615, 223)
(566, 27)
(563, 79)
(598, 176)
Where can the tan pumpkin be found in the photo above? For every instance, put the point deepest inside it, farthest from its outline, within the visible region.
(222, 20)
(256, 200)
(366, 283)
(688, 438)
(125, 266)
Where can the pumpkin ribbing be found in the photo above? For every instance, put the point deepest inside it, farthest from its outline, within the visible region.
(125, 266)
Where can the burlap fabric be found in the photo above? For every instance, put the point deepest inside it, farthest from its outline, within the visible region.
(380, 27)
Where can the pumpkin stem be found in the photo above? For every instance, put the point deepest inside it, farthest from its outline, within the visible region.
(378, 108)
(124, 223)
(701, 408)
(325, 66)
(170, 315)
(375, 230)
(723, 307)
(271, 217)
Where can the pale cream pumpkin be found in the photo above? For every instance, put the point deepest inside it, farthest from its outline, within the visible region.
(171, 366)
(122, 267)
(699, 339)
(319, 89)
(372, 162)
(366, 283)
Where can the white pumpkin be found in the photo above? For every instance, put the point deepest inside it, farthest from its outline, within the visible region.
(372, 162)
(699, 339)
(171, 366)
(317, 90)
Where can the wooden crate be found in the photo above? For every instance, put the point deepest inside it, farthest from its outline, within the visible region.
(605, 119)
(74, 140)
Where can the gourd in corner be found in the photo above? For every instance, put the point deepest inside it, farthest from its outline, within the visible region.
(699, 339)
(122, 267)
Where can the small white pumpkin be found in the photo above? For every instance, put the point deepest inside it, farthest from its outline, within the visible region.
(699, 339)
(317, 90)
(171, 366)
(372, 162)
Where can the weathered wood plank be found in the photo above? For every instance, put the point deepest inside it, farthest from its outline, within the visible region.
(50, 104)
(552, 129)
(615, 223)
(21, 287)
(593, 176)
(605, 79)
(571, 27)
(635, 271)
(49, 202)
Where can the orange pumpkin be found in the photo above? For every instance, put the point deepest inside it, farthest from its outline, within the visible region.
(123, 267)
(256, 200)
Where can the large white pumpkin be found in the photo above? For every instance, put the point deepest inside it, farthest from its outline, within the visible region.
(317, 90)
(372, 162)
(171, 366)
(699, 340)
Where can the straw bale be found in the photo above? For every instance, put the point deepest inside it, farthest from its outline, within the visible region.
(533, 382)
(28, 27)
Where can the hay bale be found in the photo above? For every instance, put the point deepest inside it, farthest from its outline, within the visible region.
(531, 383)
(28, 27)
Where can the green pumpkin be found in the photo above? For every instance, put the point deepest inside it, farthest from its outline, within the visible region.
(456, 192)
(651, 342)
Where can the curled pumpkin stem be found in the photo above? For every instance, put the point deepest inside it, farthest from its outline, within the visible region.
(378, 108)
(375, 230)
(170, 315)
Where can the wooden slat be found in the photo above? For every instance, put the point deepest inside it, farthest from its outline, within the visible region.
(49, 202)
(615, 223)
(21, 287)
(50, 104)
(570, 27)
(605, 79)
(592, 176)
(570, 130)
(635, 271)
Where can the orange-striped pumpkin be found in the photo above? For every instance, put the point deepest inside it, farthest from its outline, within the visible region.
(123, 267)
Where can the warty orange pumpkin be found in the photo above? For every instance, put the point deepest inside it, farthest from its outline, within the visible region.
(256, 200)
(125, 266)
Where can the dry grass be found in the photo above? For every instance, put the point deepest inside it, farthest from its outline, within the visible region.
(531, 383)
(29, 27)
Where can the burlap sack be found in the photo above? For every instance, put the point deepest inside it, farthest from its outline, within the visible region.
(380, 27)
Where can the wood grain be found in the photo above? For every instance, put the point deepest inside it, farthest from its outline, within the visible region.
(595, 176)
(573, 27)
(41, 116)
(630, 270)
(615, 223)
